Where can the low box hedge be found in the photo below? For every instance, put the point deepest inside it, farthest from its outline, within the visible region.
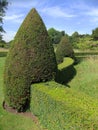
(3, 54)
(86, 53)
(60, 108)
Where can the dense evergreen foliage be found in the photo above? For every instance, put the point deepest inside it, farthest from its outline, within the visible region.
(64, 49)
(3, 7)
(31, 59)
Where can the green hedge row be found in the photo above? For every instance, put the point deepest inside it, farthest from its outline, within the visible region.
(66, 71)
(60, 108)
(3, 54)
(85, 53)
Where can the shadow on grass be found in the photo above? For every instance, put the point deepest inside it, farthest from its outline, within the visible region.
(65, 75)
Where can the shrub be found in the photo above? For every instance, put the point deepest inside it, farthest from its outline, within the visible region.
(64, 49)
(95, 34)
(30, 59)
(66, 71)
(62, 108)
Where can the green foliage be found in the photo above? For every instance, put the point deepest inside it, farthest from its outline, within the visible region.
(55, 35)
(42, 61)
(83, 42)
(2, 44)
(3, 7)
(66, 71)
(30, 59)
(60, 108)
(64, 49)
(69, 108)
(74, 39)
(95, 34)
(8, 120)
(3, 54)
(86, 53)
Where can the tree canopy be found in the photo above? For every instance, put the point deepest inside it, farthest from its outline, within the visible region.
(95, 34)
(55, 35)
(3, 7)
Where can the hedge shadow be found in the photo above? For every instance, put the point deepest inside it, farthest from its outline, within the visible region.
(66, 75)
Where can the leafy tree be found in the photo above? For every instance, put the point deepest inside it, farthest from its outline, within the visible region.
(74, 39)
(2, 43)
(75, 34)
(31, 59)
(55, 35)
(95, 34)
(64, 49)
(3, 7)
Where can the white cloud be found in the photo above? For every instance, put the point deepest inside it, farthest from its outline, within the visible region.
(9, 36)
(93, 12)
(14, 18)
(56, 11)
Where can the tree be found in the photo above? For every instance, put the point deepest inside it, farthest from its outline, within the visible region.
(64, 49)
(2, 43)
(31, 59)
(3, 7)
(74, 39)
(55, 35)
(95, 34)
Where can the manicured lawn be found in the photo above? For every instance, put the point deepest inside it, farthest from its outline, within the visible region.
(86, 79)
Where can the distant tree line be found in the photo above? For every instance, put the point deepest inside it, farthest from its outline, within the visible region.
(78, 41)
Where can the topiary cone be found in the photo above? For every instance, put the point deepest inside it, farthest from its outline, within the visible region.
(31, 59)
(64, 49)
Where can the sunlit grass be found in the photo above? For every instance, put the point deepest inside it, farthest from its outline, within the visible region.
(86, 79)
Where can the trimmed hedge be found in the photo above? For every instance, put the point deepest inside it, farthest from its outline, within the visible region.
(41, 57)
(60, 108)
(31, 59)
(86, 53)
(64, 49)
(3, 54)
(66, 71)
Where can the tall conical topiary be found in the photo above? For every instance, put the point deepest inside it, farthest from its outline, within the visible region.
(31, 59)
(64, 49)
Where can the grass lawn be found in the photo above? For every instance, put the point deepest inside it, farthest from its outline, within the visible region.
(86, 79)
(9, 121)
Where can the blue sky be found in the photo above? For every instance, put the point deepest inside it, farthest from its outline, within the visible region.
(67, 15)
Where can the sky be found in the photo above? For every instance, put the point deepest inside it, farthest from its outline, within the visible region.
(63, 15)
